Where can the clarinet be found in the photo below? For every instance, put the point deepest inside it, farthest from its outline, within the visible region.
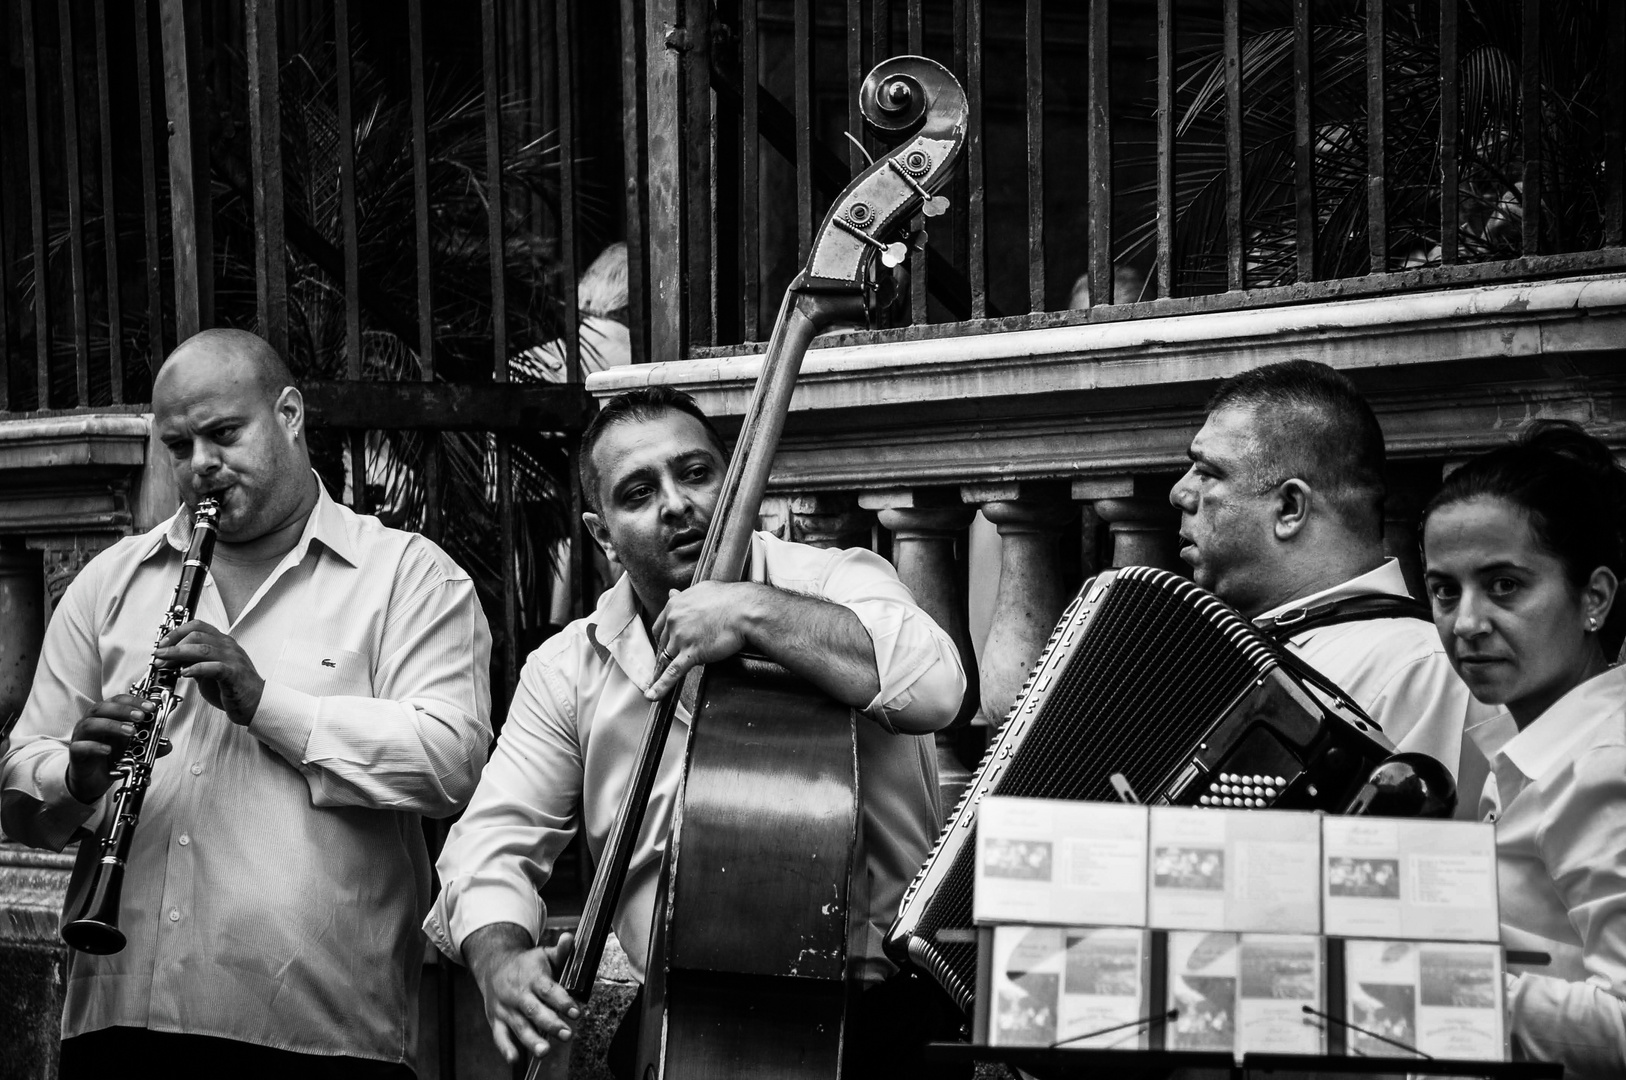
(96, 927)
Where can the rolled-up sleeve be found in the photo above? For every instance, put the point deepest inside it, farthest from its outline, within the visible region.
(35, 806)
(418, 742)
(502, 851)
(922, 680)
(1583, 843)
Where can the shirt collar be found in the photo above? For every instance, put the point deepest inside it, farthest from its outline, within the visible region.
(1553, 736)
(328, 523)
(1386, 578)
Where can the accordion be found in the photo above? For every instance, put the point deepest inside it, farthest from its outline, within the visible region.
(1152, 677)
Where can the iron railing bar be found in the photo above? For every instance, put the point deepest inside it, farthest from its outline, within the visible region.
(1530, 125)
(190, 199)
(880, 28)
(1614, 125)
(1450, 105)
(1165, 147)
(78, 304)
(265, 148)
(352, 247)
(634, 135)
(975, 195)
(565, 35)
(856, 161)
(1235, 268)
(492, 106)
(1099, 168)
(802, 56)
(149, 190)
(750, 173)
(1033, 28)
(36, 190)
(1304, 137)
(433, 515)
(1377, 207)
(8, 357)
(917, 253)
(110, 232)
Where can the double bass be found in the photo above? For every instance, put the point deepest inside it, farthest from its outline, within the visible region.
(761, 899)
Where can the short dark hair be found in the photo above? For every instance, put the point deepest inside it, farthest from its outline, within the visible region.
(636, 407)
(1312, 423)
(1572, 493)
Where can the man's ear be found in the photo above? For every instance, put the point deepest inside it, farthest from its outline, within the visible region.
(600, 532)
(1293, 498)
(290, 409)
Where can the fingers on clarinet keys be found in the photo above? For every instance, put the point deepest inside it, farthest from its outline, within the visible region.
(1246, 791)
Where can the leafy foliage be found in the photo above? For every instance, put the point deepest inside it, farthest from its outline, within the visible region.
(1490, 148)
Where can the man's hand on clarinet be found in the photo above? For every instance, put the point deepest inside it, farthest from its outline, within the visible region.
(98, 743)
(226, 676)
(528, 1011)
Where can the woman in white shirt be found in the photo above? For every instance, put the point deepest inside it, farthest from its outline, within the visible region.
(1523, 553)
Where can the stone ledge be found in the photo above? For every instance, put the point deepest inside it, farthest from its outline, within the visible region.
(1450, 373)
(1513, 321)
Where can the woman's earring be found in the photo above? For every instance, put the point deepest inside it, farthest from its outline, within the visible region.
(1592, 624)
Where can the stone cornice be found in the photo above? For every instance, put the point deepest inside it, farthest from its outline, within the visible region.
(1450, 372)
(70, 473)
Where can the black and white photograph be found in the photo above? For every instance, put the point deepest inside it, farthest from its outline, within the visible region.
(1458, 978)
(1104, 963)
(1199, 868)
(1382, 1009)
(467, 467)
(1280, 970)
(1019, 860)
(1367, 879)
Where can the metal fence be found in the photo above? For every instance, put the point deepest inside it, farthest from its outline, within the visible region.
(1135, 159)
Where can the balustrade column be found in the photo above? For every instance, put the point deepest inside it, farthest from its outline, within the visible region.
(830, 520)
(925, 526)
(1030, 518)
(1145, 532)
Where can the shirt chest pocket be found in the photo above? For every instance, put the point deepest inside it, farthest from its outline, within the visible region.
(323, 670)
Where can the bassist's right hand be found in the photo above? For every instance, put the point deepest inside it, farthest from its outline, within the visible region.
(527, 1009)
(98, 742)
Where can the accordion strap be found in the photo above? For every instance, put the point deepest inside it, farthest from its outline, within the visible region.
(1348, 609)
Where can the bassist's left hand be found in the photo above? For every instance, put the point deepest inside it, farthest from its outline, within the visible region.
(703, 623)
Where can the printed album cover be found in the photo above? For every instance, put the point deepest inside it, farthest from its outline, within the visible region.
(1203, 987)
(1054, 984)
(1281, 973)
(1236, 870)
(1418, 880)
(1443, 999)
(1060, 862)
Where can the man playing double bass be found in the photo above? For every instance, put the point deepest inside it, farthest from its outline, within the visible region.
(652, 466)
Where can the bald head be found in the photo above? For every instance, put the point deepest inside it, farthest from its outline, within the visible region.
(242, 354)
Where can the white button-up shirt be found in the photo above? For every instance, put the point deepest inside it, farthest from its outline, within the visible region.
(1558, 796)
(278, 874)
(1395, 669)
(568, 747)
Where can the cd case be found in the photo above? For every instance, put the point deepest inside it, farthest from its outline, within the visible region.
(1237, 870)
(1068, 986)
(1060, 862)
(1444, 999)
(1414, 880)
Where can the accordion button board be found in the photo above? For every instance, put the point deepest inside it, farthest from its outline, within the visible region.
(1149, 676)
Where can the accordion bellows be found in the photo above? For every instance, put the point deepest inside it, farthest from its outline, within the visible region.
(1153, 677)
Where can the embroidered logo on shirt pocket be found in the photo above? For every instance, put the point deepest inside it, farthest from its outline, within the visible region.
(323, 670)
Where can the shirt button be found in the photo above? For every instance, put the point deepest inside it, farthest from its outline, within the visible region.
(196, 768)
(174, 915)
(185, 839)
